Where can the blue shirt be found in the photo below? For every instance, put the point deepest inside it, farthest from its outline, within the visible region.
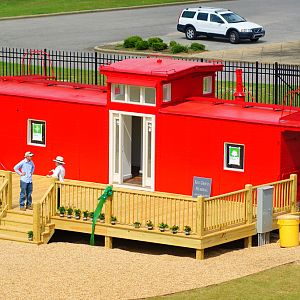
(27, 167)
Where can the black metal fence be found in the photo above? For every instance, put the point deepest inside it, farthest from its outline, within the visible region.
(264, 83)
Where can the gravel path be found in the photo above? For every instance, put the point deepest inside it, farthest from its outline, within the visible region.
(76, 271)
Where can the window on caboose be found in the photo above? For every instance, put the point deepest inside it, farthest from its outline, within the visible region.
(207, 85)
(167, 92)
(133, 94)
(36, 133)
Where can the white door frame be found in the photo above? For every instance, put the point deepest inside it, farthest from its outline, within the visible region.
(147, 183)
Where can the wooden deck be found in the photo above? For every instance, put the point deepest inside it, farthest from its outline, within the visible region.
(40, 186)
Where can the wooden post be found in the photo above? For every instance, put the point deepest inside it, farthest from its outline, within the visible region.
(249, 213)
(36, 222)
(199, 254)
(108, 214)
(200, 224)
(8, 175)
(53, 204)
(293, 199)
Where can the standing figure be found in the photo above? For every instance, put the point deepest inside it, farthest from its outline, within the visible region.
(25, 169)
(58, 173)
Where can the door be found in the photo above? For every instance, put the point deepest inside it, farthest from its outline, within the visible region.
(132, 149)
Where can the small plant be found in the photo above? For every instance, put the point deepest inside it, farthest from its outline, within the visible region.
(178, 48)
(30, 235)
(142, 45)
(159, 46)
(149, 225)
(113, 220)
(69, 212)
(77, 213)
(172, 43)
(91, 215)
(187, 230)
(102, 217)
(174, 229)
(163, 226)
(137, 224)
(131, 41)
(62, 211)
(85, 215)
(197, 47)
(154, 40)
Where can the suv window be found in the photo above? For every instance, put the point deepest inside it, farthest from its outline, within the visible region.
(202, 16)
(188, 14)
(216, 19)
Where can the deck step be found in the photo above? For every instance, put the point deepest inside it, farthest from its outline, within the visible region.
(14, 231)
(8, 237)
(19, 216)
(17, 224)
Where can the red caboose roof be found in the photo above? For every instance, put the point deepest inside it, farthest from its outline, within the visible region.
(156, 67)
(231, 110)
(42, 88)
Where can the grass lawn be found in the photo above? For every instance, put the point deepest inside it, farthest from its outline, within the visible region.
(9, 8)
(279, 283)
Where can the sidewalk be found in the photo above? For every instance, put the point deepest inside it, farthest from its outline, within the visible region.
(284, 53)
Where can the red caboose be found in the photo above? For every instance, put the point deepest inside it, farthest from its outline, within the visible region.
(155, 126)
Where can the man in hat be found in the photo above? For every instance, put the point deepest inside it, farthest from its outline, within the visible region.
(25, 169)
(58, 173)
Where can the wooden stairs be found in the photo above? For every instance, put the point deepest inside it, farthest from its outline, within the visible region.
(14, 226)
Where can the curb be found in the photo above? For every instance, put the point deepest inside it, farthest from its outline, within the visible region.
(104, 10)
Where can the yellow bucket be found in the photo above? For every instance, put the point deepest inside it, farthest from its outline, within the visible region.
(288, 230)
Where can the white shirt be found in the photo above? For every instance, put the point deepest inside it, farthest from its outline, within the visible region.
(59, 173)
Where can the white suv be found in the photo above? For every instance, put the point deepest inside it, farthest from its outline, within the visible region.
(217, 22)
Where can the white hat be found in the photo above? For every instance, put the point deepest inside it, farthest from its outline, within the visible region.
(59, 159)
(28, 153)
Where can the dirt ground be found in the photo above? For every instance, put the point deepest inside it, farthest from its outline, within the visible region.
(63, 270)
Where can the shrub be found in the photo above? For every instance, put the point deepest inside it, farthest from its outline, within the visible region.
(197, 47)
(159, 46)
(154, 40)
(131, 41)
(173, 43)
(179, 48)
(142, 45)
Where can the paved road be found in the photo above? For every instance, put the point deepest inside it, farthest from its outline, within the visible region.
(84, 31)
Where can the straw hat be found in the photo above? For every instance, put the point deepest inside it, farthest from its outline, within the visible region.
(59, 159)
(28, 153)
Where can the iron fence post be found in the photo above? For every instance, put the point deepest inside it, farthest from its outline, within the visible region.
(276, 84)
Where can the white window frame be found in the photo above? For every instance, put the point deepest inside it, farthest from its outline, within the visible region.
(29, 135)
(168, 97)
(127, 95)
(207, 85)
(236, 169)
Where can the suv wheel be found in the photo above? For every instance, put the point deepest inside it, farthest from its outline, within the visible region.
(190, 33)
(234, 37)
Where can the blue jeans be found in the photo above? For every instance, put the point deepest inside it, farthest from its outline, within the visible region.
(25, 194)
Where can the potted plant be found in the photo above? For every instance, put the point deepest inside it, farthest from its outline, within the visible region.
(77, 213)
(85, 215)
(62, 211)
(113, 220)
(174, 229)
(187, 230)
(149, 225)
(102, 217)
(30, 235)
(69, 212)
(137, 224)
(162, 226)
(91, 215)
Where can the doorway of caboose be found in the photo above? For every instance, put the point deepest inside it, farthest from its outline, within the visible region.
(132, 144)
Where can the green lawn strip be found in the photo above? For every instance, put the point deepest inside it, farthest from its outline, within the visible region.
(12, 8)
(278, 283)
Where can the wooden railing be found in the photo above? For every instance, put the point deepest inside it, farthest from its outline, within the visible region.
(284, 195)
(5, 190)
(131, 206)
(43, 210)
